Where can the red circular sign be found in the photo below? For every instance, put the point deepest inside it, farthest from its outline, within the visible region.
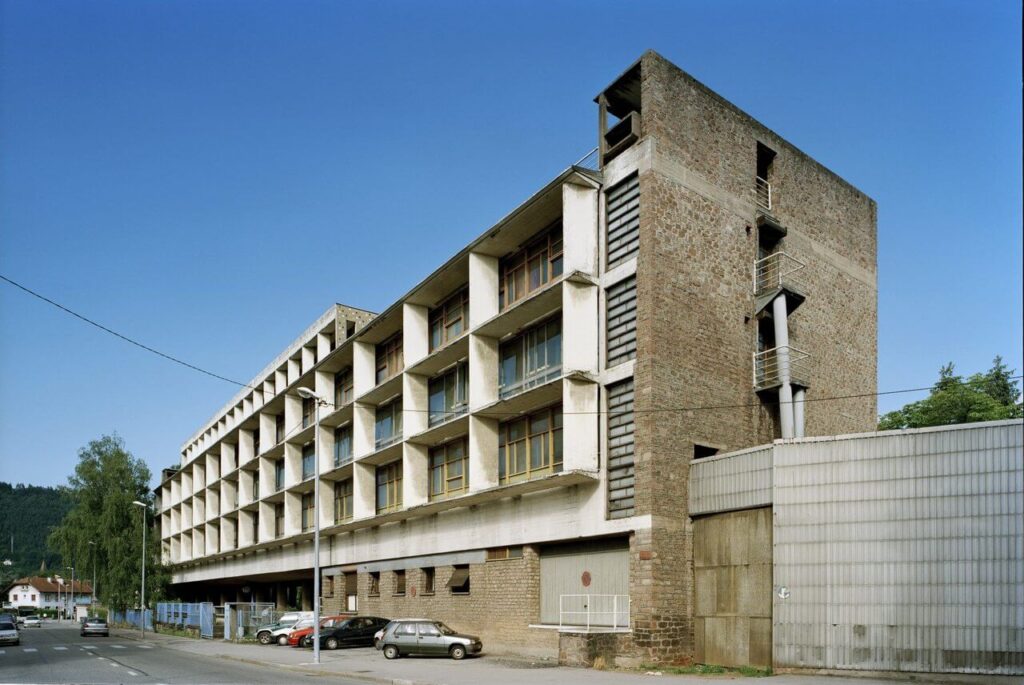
(585, 579)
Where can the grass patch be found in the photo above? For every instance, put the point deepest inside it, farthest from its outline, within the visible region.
(708, 669)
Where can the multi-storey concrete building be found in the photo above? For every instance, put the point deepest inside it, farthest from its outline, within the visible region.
(506, 447)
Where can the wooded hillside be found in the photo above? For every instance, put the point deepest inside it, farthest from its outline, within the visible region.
(29, 513)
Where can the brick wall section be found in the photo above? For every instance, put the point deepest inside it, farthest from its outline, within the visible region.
(695, 327)
(504, 600)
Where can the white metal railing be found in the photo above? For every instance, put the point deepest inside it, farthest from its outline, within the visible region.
(770, 364)
(763, 193)
(537, 377)
(588, 161)
(771, 271)
(601, 613)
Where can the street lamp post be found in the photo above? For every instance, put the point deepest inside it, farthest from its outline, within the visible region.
(306, 393)
(72, 611)
(142, 603)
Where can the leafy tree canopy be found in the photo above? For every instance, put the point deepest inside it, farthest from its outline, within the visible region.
(27, 515)
(987, 396)
(107, 480)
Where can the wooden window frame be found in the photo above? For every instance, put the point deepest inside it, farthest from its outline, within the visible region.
(278, 519)
(429, 580)
(374, 589)
(344, 500)
(552, 437)
(308, 411)
(400, 580)
(279, 475)
(342, 459)
(390, 476)
(440, 462)
(344, 390)
(547, 249)
(394, 407)
(504, 553)
(279, 429)
(389, 358)
(459, 376)
(308, 454)
(444, 316)
(524, 346)
(307, 519)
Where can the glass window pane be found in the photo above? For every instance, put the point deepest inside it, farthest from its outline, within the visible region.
(538, 451)
(556, 438)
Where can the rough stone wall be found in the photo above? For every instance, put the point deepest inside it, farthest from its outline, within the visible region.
(696, 331)
(732, 561)
(504, 600)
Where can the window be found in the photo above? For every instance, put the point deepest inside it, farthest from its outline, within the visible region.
(255, 526)
(255, 485)
(763, 177)
(327, 587)
(449, 394)
(703, 451)
(256, 441)
(623, 209)
(448, 320)
(308, 461)
(388, 429)
(374, 584)
(531, 359)
(399, 584)
(308, 411)
(621, 481)
(459, 582)
(279, 519)
(428, 580)
(389, 487)
(389, 357)
(621, 322)
(343, 500)
(408, 629)
(530, 447)
(343, 388)
(278, 428)
(342, 445)
(449, 469)
(503, 553)
(308, 512)
(531, 268)
(278, 475)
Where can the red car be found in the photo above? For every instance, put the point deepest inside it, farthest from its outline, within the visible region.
(304, 637)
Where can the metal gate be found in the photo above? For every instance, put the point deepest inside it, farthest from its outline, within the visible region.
(206, 616)
(597, 568)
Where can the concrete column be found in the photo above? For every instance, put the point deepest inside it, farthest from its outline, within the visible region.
(268, 431)
(247, 405)
(483, 371)
(325, 448)
(363, 417)
(212, 468)
(325, 506)
(580, 426)
(323, 385)
(415, 333)
(292, 416)
(269, 387)
(364, 490)
(483, 288)
(266, 477)
(483, 453)
(245, 445)
(415, 468)
(212, 538)
(323, 345)
(280, 596)
(292, 513)
(799, 397)
(292, 464)
(780, 319)
(580, 228)
(266, 522)
(307, 596)
(415, 418)
(245, 529)
(228, 458)
(294, 369)
(281, 379)
(364, 367)
(308, 358)
(580, 331)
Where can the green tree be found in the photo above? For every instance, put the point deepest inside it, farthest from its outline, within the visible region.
(982, 397)
(107, 480)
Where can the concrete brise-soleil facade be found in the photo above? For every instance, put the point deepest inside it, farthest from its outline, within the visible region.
(506, 447)
(890, 551)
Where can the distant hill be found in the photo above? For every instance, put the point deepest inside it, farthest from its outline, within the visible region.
(29, 512)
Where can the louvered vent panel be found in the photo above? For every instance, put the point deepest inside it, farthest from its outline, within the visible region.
(620, 449)
(621, 299)
(623, 221)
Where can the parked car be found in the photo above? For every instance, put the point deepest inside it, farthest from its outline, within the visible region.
(9, 618)
(280, 635)
(33, 622)
(94, 625)
(357, 631)
(9, 633)
(304, 636)
(427, 637)
(268, 634)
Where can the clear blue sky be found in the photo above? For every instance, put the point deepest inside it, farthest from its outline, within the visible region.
(209, 177)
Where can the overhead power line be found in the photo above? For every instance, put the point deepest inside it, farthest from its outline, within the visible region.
(493, 414)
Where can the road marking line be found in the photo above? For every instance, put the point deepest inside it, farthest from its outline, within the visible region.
(88, 646)
(29, 649)
(61, 649)
(2, 652)
(117, 646)
(132, 673)
(115, 665)
(145, 646)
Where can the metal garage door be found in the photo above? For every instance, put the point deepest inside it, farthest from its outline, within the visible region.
(585, 581)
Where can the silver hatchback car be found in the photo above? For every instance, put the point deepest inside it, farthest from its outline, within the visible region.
(427, 637)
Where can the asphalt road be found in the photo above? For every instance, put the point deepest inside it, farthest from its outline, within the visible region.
(57, 654)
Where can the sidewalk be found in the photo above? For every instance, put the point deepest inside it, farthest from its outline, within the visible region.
(370, 665)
